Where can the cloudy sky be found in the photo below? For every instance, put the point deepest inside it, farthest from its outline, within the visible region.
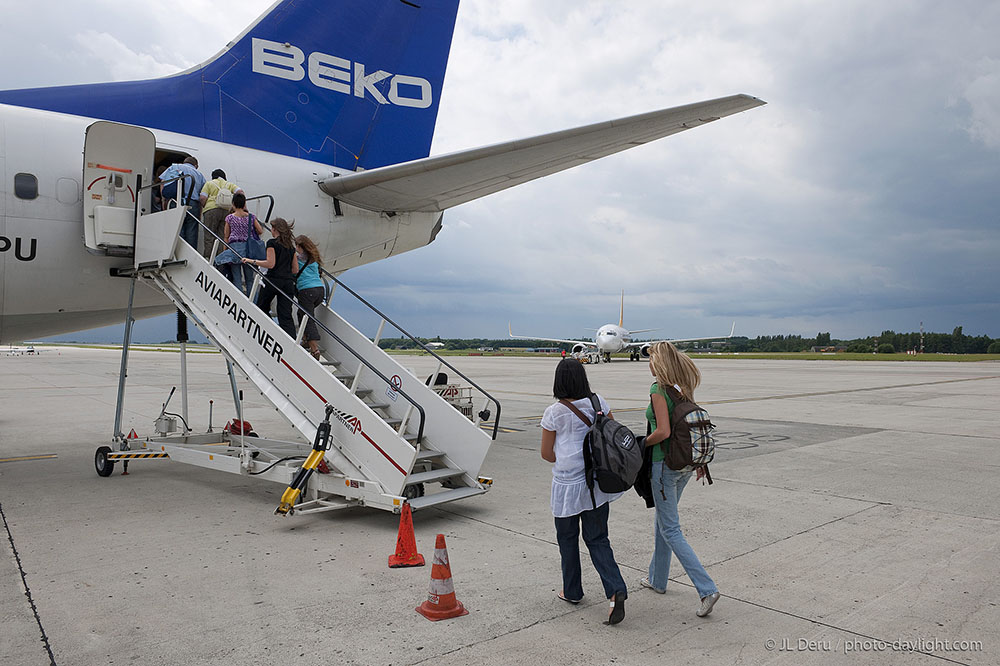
(865, 196)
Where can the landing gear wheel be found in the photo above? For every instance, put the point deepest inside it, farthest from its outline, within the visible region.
(607, 357)
(413, 491)
(104, 466)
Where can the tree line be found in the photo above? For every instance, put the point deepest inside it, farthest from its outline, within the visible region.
(887, 342)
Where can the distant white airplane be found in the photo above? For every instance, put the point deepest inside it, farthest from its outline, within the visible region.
(615, 338)
(14, 350)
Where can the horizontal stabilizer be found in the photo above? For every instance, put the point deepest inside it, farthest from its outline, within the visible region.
(437, 183)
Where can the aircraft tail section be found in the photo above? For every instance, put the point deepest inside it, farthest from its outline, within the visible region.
(354, 84)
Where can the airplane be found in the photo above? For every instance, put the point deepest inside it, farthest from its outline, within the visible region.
(14, 350)
(613, 339)
(329, 108)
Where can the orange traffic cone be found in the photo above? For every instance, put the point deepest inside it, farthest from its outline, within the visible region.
(441, 603)
(406, 544)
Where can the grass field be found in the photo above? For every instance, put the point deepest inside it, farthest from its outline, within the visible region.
(794, 356)
(799, 356)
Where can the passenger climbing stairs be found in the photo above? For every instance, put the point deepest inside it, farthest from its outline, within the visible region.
(392, 438)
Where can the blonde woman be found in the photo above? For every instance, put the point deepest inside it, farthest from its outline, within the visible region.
(282, 267)
(673, 369)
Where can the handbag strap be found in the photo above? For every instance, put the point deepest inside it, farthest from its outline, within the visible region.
(573, 408)
(588, 464)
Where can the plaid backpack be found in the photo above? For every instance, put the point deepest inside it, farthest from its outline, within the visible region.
(691, 444)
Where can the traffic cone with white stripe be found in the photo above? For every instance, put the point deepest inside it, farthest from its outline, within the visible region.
(441, 603)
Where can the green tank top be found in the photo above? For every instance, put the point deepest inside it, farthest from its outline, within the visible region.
(651, 418)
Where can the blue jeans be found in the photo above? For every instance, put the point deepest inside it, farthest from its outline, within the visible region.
(595, 535)
(242, 276)
(189, 227)
(667, 488)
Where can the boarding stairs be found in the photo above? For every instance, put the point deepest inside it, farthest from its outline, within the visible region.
(394, 439)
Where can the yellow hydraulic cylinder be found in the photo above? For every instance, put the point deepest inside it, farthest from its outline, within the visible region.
(320, 447)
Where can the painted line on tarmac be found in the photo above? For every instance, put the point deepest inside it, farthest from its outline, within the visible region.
(488, 427)
(43, 456)
(795, 395)
(855, 390)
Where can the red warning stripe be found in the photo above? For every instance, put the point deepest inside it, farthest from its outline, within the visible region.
(363, 433)
(301, 379)
(372, 442)
(111, 168)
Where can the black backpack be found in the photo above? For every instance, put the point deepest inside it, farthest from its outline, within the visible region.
(691, 444)
(611, 453)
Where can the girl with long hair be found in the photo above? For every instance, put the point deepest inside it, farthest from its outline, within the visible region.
(563, 431)
(236, 231)
(311, 290)
(673, 369)
(281, 268)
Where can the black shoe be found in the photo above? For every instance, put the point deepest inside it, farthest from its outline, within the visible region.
(617, 610)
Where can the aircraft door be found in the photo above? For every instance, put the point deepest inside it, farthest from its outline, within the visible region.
(113, 156)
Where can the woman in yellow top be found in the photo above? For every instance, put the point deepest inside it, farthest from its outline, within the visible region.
(671, 368)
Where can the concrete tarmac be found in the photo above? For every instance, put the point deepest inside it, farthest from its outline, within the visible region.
(854, 519)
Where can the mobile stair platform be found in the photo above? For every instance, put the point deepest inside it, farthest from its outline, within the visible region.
(390, 439)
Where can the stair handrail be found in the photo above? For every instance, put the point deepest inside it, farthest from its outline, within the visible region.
(496, 423)
(270, 207)
(263, 277)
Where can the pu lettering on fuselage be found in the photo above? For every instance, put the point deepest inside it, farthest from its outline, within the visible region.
(284, 61)
(242, 318)
(18, 245)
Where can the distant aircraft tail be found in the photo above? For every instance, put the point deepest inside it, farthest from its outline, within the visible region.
(354, 83)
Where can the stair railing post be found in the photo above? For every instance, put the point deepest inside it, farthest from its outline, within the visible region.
(255, 288)
(119, 436)
(301, 331)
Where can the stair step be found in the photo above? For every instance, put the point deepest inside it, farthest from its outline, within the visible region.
(378, 405)
(329, 363)
(428, 454)
(344, 376)
(433, 475)
(448, 495)
(393, 421)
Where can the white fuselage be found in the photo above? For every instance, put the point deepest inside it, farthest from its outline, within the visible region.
(611, 339)
(50, 283)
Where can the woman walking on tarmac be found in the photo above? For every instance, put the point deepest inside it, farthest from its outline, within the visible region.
(563, 430)
(671, 368)
(282, 266)
(311, 290)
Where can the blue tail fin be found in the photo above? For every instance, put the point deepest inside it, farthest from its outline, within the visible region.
(351, 83)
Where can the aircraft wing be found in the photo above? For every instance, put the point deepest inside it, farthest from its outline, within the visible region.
(716, 337)
(535, 337)
(437, 183)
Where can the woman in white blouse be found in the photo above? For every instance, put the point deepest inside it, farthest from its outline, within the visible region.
(562, 443)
